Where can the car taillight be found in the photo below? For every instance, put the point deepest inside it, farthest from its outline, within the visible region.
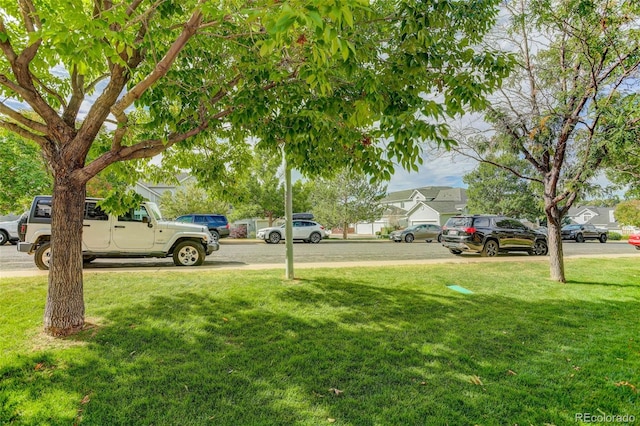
(470, 230)
(23, 228)
(227, 226)
(321, 227)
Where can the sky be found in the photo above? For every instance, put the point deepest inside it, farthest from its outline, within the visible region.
(436, 171)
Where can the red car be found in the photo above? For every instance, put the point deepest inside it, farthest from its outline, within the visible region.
(634, 239)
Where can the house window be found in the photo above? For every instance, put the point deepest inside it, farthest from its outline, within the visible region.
(587, 217)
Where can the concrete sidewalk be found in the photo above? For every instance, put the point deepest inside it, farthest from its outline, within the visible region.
(359, 264)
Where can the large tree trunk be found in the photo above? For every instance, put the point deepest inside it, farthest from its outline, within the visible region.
(554, 238)
(345, 231)
(556, 256)
(64, 310)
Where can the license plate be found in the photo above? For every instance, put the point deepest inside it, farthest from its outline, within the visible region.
(453, 232)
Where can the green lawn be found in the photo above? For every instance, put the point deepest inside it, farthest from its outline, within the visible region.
(358, 346)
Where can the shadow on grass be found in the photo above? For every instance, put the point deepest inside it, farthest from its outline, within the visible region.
(343, 350)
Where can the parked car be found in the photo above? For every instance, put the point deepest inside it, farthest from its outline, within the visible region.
(305, 230)
(490, 235)
(140, 232)
(425, 231)
(634, 239)
(9, 232)
(217, 223)
(581, 233)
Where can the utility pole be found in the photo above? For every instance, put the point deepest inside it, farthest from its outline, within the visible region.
(288, 213)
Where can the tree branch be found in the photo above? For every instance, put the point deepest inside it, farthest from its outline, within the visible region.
(26, 122)
(162, 67)
(13, 127)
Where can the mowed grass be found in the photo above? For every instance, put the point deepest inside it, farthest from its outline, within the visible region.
(357, 346)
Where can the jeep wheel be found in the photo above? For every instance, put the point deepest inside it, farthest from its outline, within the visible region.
(43, 256)
(3, 238)
(315, 238)
(540, 248)
(603, 238)
(490, 249)
(274, 238)
(579, 238)
(408, 238)
(188, 253)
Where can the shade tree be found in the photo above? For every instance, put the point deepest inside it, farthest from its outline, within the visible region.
(330, 83)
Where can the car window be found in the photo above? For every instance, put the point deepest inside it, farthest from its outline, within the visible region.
(482, 222)
(201, 219)
(516, 224)
(135, 215)
(94, 212)
(186, 219)
(43, 208)
(459, 222)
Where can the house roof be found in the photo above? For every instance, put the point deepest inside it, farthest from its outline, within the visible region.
(428, 192)
(442, 207)
(601, 215)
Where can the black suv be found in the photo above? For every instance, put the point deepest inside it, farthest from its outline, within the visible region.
(490, 235)
(217, 223)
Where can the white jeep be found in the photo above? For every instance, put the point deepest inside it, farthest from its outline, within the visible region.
(140, 232)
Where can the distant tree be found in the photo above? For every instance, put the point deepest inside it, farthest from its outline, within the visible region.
(622, 159)
(611, 201)
(494, 190)
(23, 173)
(628, 213)
(190, 199)
(347, 198)
(260, 191)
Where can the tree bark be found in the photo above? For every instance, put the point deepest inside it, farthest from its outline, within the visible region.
(64, 309)
(556, 256)
(554, 237)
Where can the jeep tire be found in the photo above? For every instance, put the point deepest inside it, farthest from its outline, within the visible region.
(188, 253)
(42, 256)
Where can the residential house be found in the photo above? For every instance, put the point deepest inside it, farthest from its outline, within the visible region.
(430, 204)
(602, 217)
(153, 191)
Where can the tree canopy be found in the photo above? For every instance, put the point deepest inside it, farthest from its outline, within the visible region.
(332, 83)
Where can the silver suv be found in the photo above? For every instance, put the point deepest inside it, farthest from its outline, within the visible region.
(141, 232)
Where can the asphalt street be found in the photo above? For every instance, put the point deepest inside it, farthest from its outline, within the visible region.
(328, 253)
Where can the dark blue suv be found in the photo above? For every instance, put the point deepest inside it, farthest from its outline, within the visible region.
(217, 223)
